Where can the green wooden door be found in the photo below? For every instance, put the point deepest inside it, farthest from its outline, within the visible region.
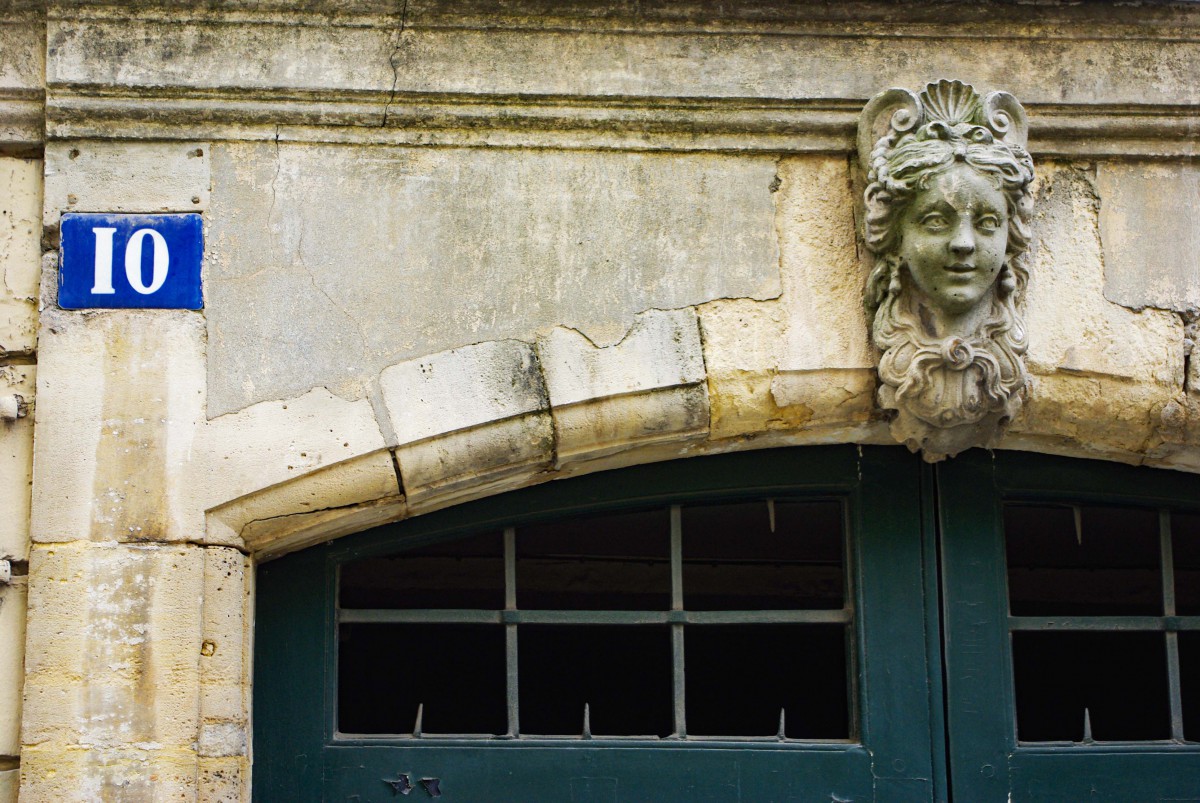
(1072, 642)
(988, 603)
(301, 752)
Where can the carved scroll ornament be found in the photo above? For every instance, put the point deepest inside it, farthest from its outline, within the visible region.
(948, 210)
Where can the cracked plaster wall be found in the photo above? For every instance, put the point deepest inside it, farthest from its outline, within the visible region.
(326, 264)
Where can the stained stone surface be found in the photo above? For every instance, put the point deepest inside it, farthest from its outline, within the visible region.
(1150, 232)
(327, 264)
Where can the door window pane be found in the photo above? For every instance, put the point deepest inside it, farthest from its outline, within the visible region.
(1189, 676)
(1120, 679)
(740, 678)
(453, 673)
(1082, 561)
(622, 674)
(1185, 541)
(463, 573)
(761, 555)
(609, 563)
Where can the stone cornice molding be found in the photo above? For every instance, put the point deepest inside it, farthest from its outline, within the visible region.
(1039, 19)
(778, 77)
(573, 122)
(22, 70)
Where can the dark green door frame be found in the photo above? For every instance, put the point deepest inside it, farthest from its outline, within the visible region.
(986, 761)
(298, 755)
(928, 587)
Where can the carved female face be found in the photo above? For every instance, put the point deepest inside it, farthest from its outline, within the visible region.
(953, 237)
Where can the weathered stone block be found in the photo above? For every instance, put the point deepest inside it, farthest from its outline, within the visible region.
(350, 482)
(1088, 415)
(597, 428)
(661, 350)
(462, 388)
(223, 651)
(222, 739)
(225, 671)
(10, 783)
(133, 773)
(22, 76)
(12, 664)
(271, 538)
(454, 247)
(223, 780)
(91, 176)
(805, 360)
(1072, 327)
(16, 462)
(204, 54)
(20, 253)
(451, 468)
(113, 645)
(468, 418)
(501, 52)
(1150, 233)
(823, 276)
(648, 388)
(831, 396)
(125, 393)
(272, 443)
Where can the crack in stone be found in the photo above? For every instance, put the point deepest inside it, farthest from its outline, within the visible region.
(274, 179)
(394, 62)
(312, 279)
(1191, 331)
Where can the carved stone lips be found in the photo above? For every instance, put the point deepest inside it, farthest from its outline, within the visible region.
(960, 267)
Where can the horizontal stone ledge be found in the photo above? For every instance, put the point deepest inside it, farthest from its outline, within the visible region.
(680, 15)
(22, 123)
(568, 122)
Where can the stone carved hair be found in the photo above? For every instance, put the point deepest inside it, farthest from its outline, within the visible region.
(950, 389)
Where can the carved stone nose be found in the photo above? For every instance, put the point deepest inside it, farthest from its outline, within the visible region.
(963, 243)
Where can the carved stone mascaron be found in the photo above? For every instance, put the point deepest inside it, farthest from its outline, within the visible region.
(948, 209)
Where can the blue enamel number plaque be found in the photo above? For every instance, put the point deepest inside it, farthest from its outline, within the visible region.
(131, 262)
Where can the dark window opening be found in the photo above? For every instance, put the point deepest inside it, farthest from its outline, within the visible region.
(452, 674)
(1099, 653)
(1119, 679)
(618, 562)
(797, 674)
(1185, 539)
(1189, 677)
(1084, 561)
(465, 573)
(621, 674)
(755, 556)
(705, 621)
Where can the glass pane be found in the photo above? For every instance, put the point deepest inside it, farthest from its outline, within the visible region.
(615, 562)
(1189, 681)
(385, 671)
(623, 674)
(1185, 549)
(736, 558)
(465, 573)
(1120, 678)
(1109, 565)
(740, 677)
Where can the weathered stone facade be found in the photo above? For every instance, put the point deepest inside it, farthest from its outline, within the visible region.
(459, 248)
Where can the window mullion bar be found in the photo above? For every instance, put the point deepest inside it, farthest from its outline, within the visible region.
(1168, 562)
(1168, 586)
(510, 631)
(510, 568)
(678, 680)
(677, 676)
(676, 558)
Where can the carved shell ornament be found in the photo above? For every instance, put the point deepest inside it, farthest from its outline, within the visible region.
(948, 209)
